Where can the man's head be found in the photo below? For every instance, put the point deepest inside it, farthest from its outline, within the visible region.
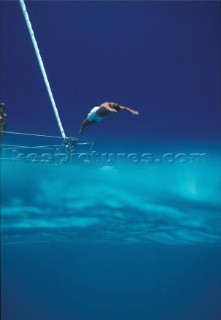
(116, 106)
(2, 106)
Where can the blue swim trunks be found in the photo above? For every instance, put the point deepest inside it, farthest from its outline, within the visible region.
(93, 116)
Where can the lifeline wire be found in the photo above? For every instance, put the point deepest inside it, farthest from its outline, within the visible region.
(46, 136)
(28, 22)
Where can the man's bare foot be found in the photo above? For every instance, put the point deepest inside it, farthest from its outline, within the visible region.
(81, 131)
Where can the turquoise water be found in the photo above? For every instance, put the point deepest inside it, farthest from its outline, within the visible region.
(111, 240)
(112, 202)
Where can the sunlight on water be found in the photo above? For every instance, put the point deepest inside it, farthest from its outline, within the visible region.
(129, 203)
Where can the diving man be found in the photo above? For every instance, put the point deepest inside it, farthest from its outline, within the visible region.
(99, 112)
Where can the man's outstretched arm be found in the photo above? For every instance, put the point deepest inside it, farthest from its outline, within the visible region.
(134, 112)
(110, 106)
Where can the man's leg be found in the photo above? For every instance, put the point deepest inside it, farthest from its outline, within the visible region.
(85, 124)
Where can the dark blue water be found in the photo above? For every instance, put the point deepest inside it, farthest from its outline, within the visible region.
(97, 281)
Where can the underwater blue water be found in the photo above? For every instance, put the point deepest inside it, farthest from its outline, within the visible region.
(112, 240)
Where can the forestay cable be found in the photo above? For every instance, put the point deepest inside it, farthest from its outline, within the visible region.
(28, 22)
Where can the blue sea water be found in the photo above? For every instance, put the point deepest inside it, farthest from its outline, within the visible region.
(112, 240)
